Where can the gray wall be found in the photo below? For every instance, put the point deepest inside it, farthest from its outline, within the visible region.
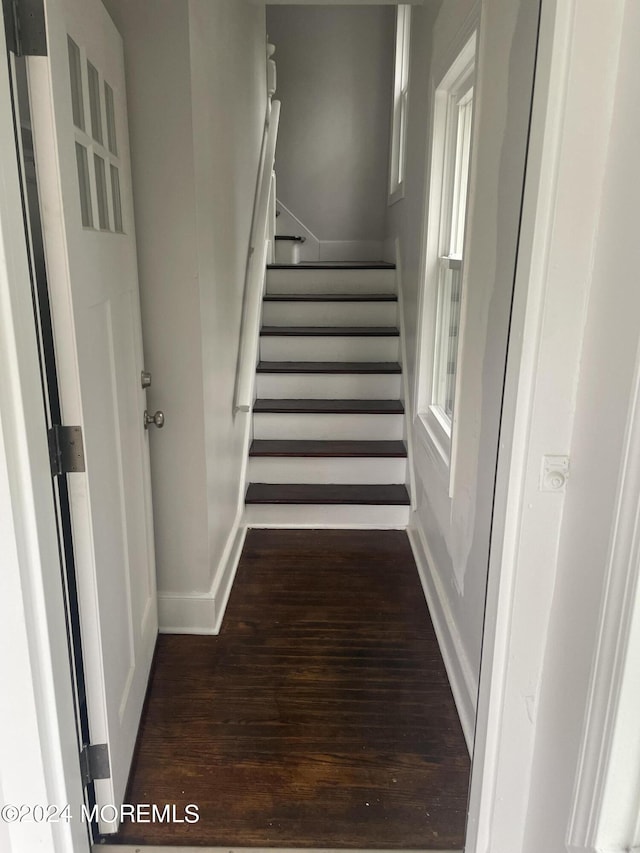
(455, 531)
(335, 83)
(197, 97)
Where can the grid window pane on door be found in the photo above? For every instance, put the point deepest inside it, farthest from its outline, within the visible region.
(94, 103)
(455, 186)
(93, 107)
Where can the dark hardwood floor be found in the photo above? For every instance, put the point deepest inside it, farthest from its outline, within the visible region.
(321, 716)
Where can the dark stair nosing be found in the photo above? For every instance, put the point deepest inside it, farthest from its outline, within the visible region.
(329, 407)
(318, 448)
(313, 493)
(290, 237)
(329, 266)
(342, 367)
(329, 331)
(330, 297)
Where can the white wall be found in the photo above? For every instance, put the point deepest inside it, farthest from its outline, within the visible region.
(452, 534)
(228, 66)
(197, 98)
(335, 84)
(607, 383)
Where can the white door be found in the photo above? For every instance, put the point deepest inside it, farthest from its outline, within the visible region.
(82, 160)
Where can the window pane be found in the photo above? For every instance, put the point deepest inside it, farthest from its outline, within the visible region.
(101, 190)
(449, 293)
(111, 119)
(117, 202)
(75, 73)
(463, 117)
(84, 184)
(94, 103)
(400, 101)
(452, 343)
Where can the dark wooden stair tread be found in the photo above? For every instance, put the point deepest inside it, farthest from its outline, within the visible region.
(329, 367)
(330, 297)
(335, 266)
(319, 448)
(330, 331)
(314, 493)
(361, 407)
(296, 239)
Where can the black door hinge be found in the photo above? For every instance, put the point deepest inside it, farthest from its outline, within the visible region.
(24, 25)
(66, 450)
(94, 763)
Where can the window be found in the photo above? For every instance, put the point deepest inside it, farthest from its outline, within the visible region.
(457, 153)
(444, 261)
(98, 166)
(400, 102)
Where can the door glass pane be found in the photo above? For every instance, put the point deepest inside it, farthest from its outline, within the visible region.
(111, 119)
(84, 184)
(117, 203)
(75, 72)
(101, 190)
(94, 103)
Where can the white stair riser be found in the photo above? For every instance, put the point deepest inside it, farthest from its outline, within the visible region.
(329, 386)
(276, 348)
(326, 470)
(321, 515)
(354, 427)
(329, 314)
(331, 281)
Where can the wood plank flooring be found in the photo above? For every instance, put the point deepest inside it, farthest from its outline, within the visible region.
(321, 716)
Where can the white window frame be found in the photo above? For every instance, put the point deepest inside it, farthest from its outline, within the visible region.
(443, 256)
(400, 103)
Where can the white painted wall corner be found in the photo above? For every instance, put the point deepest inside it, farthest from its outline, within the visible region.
(203, 613)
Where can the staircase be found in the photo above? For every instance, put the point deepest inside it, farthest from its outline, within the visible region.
(328, 444)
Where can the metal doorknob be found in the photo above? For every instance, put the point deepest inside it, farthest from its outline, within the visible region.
(156, 420)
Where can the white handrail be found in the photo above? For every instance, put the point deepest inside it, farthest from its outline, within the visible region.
(254, 282)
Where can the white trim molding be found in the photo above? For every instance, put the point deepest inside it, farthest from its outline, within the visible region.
(38, 738)
(202, 613)
(406, 398)
(605, 814)
(459, 671)
(576, 65)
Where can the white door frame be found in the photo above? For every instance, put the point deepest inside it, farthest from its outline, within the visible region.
(38, 757)
(38, 740)
(576, 75)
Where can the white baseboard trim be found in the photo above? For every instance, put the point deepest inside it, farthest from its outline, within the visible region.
(186, 614)
(224, 579)
(463, 684)
(203, 613)
(351, 250)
